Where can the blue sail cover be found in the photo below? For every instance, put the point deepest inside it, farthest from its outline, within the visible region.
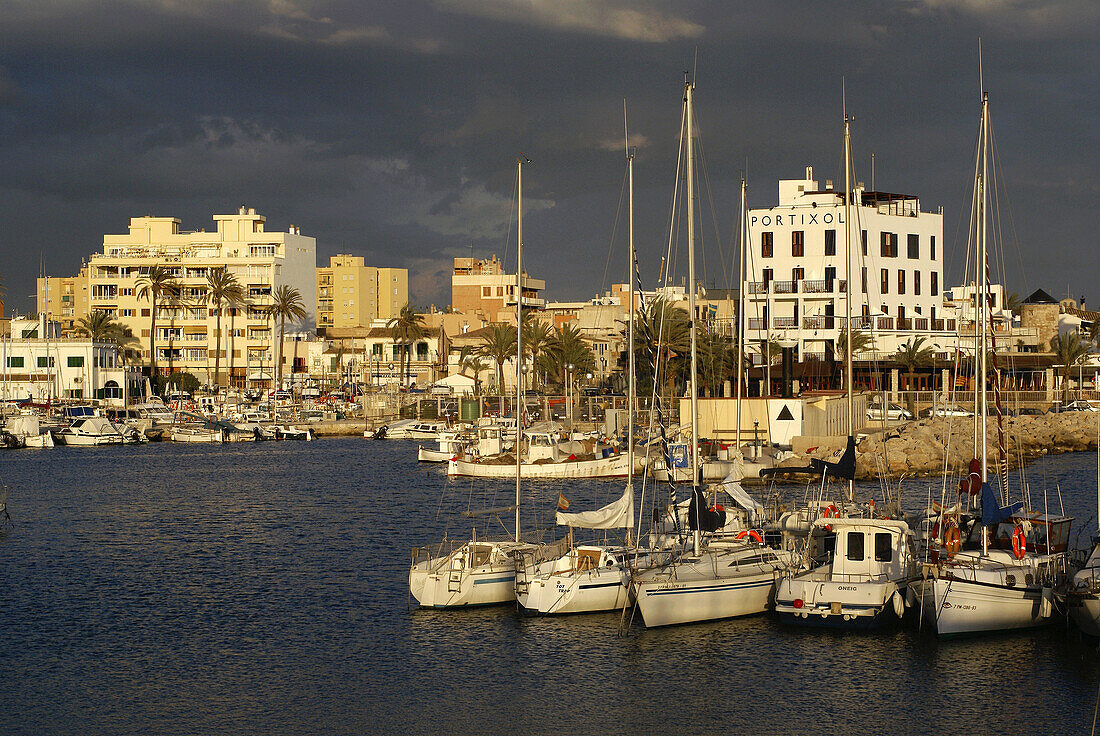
(992, 511)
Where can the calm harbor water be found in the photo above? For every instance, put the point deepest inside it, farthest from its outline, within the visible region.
(177, 589)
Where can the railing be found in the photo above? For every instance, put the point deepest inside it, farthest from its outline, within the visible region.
(784, 321)
(758, 323)
(813, 356)
(885, 323)
(816, 286)
(904, 323)
(818, 322)
(756, 287)
(784, 287)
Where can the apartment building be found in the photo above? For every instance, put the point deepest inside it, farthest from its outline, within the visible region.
(186, 326)
(795, 285)
(351, 294)
(64, 299)
(480, 287)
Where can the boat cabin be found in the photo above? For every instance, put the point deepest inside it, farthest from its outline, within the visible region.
(869, 549)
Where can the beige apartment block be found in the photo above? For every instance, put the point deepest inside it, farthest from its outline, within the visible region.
(481, 288)
(186, 327)
(351, 294)
(64, 299)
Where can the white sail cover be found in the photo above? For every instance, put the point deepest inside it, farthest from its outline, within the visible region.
(738, 494)
(615, 515)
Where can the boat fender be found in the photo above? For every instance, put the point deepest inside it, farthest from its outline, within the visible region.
(952, 539)
(1046, 604)
(751, 533)
(1019, 542)
(899, 604)
(911, 595)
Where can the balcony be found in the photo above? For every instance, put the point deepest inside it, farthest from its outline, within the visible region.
(756, 287)
(758, 323)
(904, 323)
(818, 322)
(784, 322)
(784, 287)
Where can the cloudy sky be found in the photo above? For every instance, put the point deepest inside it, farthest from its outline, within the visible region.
(390, 129)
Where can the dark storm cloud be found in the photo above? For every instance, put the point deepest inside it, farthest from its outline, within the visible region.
(390, 129)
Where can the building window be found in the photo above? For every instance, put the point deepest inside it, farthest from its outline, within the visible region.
(830, 242)
(126, 312)
(76, 361)
(934, 284)
(767, 276)
(486, 291)
(914, 246)
(766, 245)
(863, 275)
(863, 240)
(797, 245)
(916, 283)
(15, 361)
(500, 291)
(933, 256)
(797, 274)
(855, 546)
(44, 362)
(889, 245)
(884, 286)
(901, 280)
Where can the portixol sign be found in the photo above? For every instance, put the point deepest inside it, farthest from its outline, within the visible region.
(794, 219)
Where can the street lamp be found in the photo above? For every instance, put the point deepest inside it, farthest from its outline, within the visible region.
(569, 393)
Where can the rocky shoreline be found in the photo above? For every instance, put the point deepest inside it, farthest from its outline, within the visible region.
(919, 448)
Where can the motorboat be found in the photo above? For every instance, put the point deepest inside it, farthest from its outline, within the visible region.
(89, 431)
(1082, 597)
(410, 429)
(451, 443)
(27, 431)
(287, 432)
(862, 583)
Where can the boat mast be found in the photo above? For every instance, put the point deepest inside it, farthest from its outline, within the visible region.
(630, 389)
(848, 279)
(519, 329)
(690, 152)
(741, 317)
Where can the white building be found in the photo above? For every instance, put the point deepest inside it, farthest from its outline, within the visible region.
(186, 329)
(795, 278)
(41, 365)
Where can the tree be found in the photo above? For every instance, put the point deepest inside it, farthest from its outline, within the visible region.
(862, 341)
(537, 338)
(223, 290)
(102, 327)
(662, 342)
(405, 329)
(568, 348)
(717, 357)
(158, 283)
(913, 355)
(1069, 350)
(499, 345)
(286, 303)
(1014, 303)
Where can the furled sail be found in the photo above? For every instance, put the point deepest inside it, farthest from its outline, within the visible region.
(615, 515)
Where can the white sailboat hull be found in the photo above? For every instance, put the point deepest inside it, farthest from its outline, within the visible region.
(708, 588)
(615, 466)
(428, 455)
(957, 606)
(461, 579)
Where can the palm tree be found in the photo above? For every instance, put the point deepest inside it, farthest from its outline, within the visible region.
(537, 337)
(718, 358)
(477, 365)
(159, 282)
(662, 340)
(222, 290)
(1014, 303)
(1069, 350)
(862, 341)
(98, 325)
(406, 328)
(286, 303)
(499, 345)
(568, 349)
(913, 355)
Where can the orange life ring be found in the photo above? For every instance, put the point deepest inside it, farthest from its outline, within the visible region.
(832, 512)
(1019, 542)
(952, 539)
(751, 533)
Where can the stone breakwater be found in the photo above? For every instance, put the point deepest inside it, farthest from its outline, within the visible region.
(919, 448)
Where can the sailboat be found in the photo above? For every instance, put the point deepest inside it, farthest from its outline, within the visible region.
(1083, 594)
(591, 577)
(727, 577)
(479, 572)
(994, 565)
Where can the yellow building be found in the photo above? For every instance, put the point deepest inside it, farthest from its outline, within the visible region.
(350, 294)
(186, 326)
(64, 299)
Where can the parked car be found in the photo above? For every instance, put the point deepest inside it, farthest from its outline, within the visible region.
(1079, 405)
(948, 410)
(893, 412)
